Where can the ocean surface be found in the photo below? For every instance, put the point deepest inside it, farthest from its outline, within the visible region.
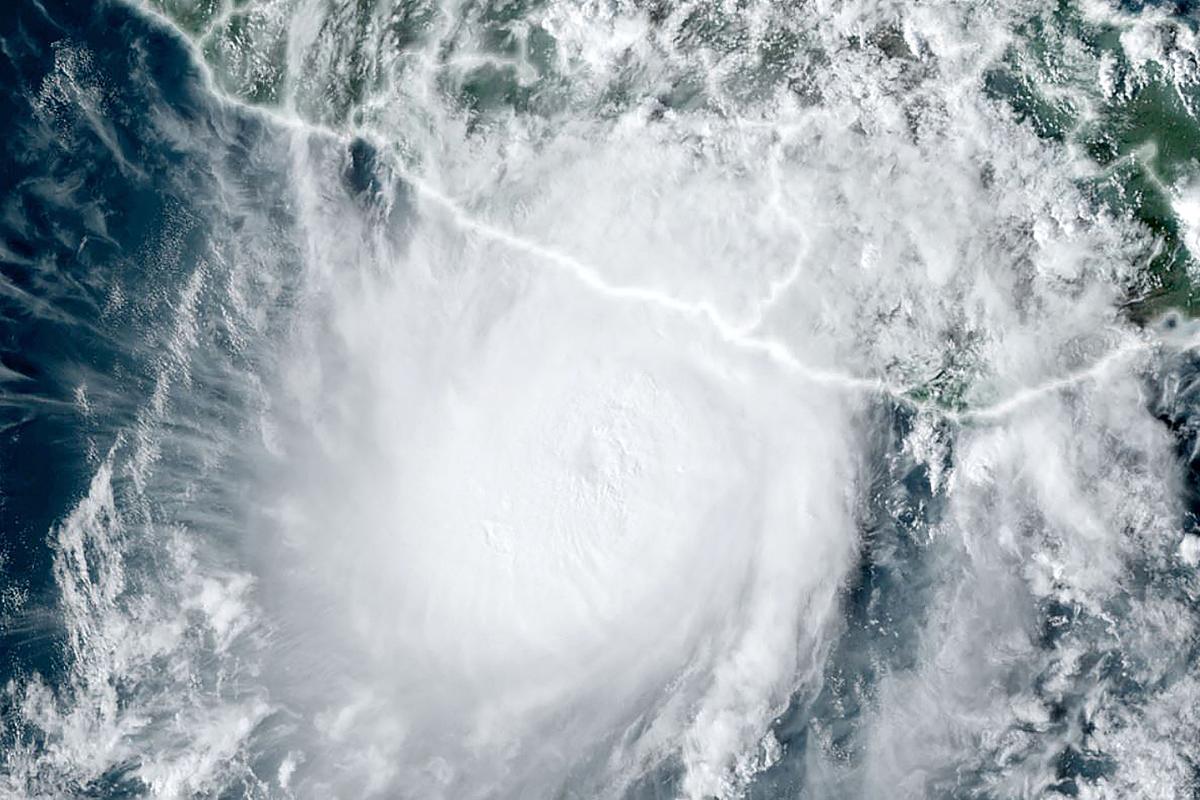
(599, 399)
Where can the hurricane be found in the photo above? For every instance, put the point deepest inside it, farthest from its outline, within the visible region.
(572, 399)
